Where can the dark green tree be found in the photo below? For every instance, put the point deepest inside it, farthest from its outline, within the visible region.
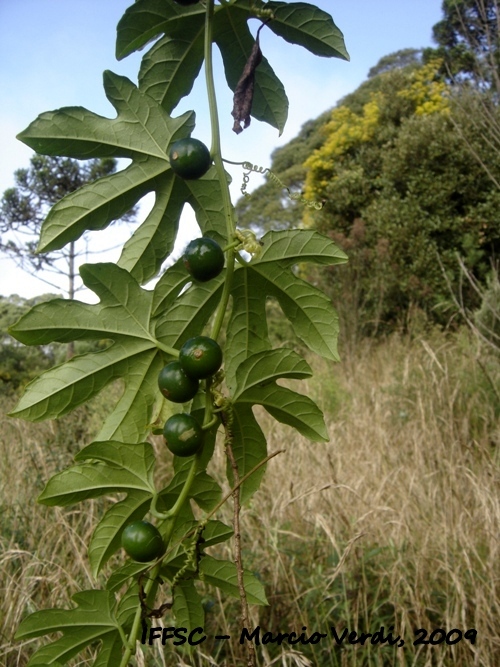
(24, 207)
(396, 60)
(467, 40)
(18, 363)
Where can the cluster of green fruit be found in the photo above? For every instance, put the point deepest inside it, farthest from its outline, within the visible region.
(199, 358)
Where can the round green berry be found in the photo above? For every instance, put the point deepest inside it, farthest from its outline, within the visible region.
(175, 385)
(142, 541)
(203, 258)
(189, 158)
(183, 434)
(200, 357)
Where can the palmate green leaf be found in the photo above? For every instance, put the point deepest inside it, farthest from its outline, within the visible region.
(139, 404)
(268, 366)
(249, 449)
(123, 315)
(124, 311)
(110, 467)
(215, 532)
(235, 41)
(144, 252)
(142, 128)
(309, 310)
(308, 26)
(170, 67)
(111, 652)
(93, 206)
(299, 245)
(63, 388)
(247, 327)
(223, 575)
(187, 607)
(137, 459)
(115, 467)
(142, 131)
(313, 317)
(146, 19)
(169, 286)
(290, 408)
(93, 620)
(75, 642)
(189, 313)
(255, 384)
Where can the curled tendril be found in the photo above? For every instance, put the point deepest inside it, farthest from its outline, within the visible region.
(192, 554)
(295, 196)
(261, 12)
(221, 401)
(249, 242)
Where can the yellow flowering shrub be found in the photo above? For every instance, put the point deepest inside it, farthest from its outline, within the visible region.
(428, 94)
(347, 130)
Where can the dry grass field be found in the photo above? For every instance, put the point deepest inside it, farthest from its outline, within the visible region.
(394, 522)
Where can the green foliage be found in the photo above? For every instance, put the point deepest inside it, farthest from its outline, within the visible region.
(18, 364)
(401, 190)
(398, 198)
(144, 329)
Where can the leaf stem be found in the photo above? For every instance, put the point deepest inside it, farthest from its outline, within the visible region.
(166, 348)
(183, 496)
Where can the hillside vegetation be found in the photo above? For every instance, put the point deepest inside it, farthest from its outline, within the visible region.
(403, 194)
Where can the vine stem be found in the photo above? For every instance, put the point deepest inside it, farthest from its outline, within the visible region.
(226, 498)
(216, 154)
(238, 559)
(219, 317)
(226, 292)
(130, 650)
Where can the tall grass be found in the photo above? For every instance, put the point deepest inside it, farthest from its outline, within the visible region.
(394, 522)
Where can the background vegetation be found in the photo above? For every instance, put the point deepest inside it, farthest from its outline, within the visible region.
(393, 522)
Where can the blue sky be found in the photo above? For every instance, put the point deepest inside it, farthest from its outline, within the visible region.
(53, 53)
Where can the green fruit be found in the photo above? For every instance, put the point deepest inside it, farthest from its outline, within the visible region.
(203, 258)
(142, 541)
(189, 158)
(200, 357)
(175, 385)
(183, 434)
